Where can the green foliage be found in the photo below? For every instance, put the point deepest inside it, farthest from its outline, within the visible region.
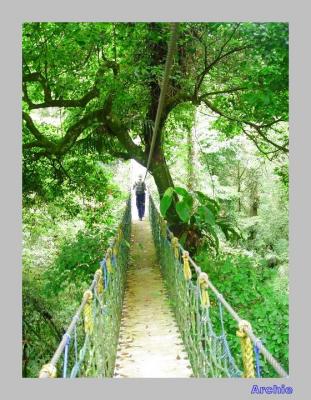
(183, 210)
(183, 206)
(251, 290)
(77, 260)
(247, 79)
(267, 233)
(68, 198)
(166, 200)
(282, 172)
(64, 238)
(201, 213)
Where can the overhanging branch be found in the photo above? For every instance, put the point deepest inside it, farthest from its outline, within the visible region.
(74, 131)
(219, 57)
(42, 141)
(49, 101)
(259, 128)
(82, 102)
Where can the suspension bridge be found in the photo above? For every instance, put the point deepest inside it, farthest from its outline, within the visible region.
(150, 311)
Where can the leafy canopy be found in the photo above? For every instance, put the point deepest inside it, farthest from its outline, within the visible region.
(106, 77)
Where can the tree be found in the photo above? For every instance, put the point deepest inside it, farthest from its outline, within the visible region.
(106, 77)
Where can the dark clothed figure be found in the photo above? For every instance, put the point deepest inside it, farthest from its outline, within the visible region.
(140, 204)
(140, 189)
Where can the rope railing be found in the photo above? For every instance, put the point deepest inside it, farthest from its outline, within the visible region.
(94, 329)
(202, 326)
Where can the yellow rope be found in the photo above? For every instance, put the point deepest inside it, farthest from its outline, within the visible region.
(87, 312)
(116, 246)
(99, 281)
(174, 242)
(48, 371)
(163, 227)
(203, 282)
(247, 350)
(108, 260)
(120, 233)
(187, 270)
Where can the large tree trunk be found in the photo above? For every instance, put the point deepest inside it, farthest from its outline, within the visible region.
(163, 181)
(161, 173)
(158, 167)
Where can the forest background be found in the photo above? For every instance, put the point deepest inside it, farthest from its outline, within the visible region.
(90, 95)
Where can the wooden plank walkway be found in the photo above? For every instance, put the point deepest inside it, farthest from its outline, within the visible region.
(150, 344)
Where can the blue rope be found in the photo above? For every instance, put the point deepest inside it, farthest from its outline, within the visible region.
(105, 274)
(76, 344)
(257, 359)
(76, 368)
(113, 260)
(73, 363)
(233, 367)
(66, 355)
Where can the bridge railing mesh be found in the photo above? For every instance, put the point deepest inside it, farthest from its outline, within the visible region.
(89, 346)
(202, 327)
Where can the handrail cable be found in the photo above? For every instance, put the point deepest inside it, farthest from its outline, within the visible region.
(58, 352)
(256, 341)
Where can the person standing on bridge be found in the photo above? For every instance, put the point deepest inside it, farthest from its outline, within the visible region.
(140, 189)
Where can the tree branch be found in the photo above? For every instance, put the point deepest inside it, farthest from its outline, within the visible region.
(257, 127)
(73, 132)
(230, 37)
(50, 102)
(32, 144)
(42, 141)
(219, 57)
(38, 77)
(266, 153)
(111, 64)
(120, 154)
(114, 128)
(82, 102)
(280, 147)
(76, 129)
(224, 91)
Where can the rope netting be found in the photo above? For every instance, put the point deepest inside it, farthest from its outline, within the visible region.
(202, 327)
(89, 345)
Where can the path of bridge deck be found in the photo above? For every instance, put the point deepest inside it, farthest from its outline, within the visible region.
(150, 345)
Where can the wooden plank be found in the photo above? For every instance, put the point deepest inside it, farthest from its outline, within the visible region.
(150, 344)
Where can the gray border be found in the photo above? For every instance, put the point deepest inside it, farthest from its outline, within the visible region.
(265, 10)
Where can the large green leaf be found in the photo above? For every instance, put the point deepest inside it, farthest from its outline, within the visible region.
(169, 192)
(165, 203)
(201, 197)
(185, 194)
(228, 228)
(183, 210)
(206, 214)
(181, 191)
(207, 201)
(189, 200)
